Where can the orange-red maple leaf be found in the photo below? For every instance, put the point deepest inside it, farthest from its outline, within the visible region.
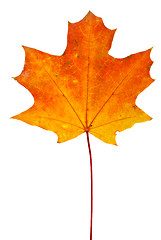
(85, 89)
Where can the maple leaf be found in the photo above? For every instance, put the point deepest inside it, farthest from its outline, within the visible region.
(85, 89)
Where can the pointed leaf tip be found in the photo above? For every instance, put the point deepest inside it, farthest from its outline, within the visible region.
(90, 14)
(13, 117)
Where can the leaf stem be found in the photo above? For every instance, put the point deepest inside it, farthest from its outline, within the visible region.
(91, 170)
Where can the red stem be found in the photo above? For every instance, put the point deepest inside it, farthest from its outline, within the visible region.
(90, 155)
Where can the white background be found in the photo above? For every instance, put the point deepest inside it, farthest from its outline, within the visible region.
(45, 186)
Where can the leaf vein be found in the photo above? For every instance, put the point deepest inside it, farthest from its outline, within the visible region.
(113, 122)
(63, 95)
(110, 96)
(54, 119)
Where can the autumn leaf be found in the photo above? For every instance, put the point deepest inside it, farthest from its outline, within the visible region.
(85, 89)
